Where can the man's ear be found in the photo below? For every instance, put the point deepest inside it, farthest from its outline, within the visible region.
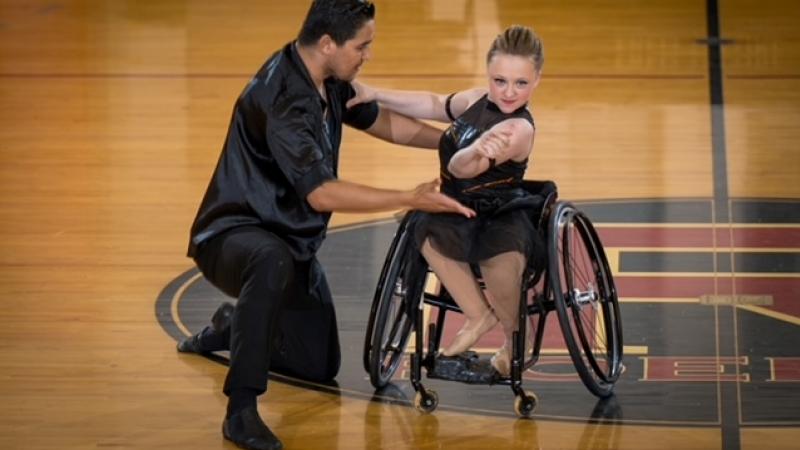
(326, 44)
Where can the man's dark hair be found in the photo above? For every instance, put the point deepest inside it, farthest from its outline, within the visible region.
(339, 19)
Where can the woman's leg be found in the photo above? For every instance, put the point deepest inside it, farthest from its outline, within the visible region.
(459, 281)
(502, 275)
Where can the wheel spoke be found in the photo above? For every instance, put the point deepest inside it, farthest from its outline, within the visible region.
(392, 324)
(584, 298)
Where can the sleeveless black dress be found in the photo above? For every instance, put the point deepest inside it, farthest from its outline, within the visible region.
(502, 223)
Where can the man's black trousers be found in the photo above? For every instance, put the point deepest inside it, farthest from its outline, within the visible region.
(284, 318)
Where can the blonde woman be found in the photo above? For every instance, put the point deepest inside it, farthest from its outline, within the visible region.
(483, 157)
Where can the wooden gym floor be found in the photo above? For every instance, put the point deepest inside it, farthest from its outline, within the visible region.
(674, 123)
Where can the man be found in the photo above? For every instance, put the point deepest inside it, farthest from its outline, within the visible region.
(267, 206)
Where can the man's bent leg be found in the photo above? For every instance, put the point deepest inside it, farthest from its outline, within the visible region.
(258, 268)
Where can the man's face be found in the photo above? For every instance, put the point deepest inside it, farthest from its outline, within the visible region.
(348, 57)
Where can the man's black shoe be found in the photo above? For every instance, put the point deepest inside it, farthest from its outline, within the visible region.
(246, 429)
(190, 345)
(222, 317)
(215, 336)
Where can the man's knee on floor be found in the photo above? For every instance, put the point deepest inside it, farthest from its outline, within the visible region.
(322, 371)
(312, 366)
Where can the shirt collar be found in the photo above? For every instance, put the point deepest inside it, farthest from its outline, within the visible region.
(294, 56)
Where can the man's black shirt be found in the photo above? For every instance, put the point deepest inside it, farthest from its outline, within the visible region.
(278, 149)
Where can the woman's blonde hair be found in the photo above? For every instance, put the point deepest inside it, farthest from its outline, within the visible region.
(520, 41)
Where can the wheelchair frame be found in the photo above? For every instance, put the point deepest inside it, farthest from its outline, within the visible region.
(400, 298)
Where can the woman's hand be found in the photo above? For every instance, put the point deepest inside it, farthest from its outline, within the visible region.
(364, 94)
(494, 144)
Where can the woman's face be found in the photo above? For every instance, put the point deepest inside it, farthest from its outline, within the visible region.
(512, 78)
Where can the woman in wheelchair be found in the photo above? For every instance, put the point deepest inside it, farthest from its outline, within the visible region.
(483, 157)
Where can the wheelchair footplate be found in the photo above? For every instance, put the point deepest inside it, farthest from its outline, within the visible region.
(467, 367)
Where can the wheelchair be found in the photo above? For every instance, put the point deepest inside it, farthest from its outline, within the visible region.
(575, 281)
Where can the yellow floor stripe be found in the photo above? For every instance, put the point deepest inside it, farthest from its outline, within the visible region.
(773, 314)
(176, 299)
(659, 300)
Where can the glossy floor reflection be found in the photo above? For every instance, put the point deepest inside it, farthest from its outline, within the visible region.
(672, 122)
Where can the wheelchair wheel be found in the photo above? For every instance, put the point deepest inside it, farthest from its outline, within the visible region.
(525, 404)
(426, 401)
(395, 301)
(585, 298)
(376, 301)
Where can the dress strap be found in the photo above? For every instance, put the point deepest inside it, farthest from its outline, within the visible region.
(447, 107)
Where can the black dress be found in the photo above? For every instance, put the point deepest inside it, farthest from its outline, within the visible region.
(503, 221)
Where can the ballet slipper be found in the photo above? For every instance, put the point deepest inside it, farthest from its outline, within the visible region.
(468, 335)
(502, 362)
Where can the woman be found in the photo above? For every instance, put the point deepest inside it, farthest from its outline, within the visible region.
(483, 157)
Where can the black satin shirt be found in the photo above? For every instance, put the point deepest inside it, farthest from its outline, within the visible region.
(279, 149)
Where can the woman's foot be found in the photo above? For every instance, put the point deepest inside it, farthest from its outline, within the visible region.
(470, 333)
(502, 362)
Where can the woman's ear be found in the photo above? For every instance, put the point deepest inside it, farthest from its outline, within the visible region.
(536, 78)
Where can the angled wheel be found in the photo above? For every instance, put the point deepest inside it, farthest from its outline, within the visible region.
(397, 296)
(391, 255)
(426, 401)
(585, 297)
(525, 404)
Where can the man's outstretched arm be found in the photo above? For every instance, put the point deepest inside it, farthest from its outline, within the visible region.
(344, 196)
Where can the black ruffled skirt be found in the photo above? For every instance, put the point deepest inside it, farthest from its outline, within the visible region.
(500, 226)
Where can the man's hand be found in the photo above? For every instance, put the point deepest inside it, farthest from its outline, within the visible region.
(426, 197)
(364, 94)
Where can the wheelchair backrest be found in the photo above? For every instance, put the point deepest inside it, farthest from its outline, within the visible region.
(548, 192)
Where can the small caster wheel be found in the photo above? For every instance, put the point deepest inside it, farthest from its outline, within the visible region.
(525, 404)
(426, 401)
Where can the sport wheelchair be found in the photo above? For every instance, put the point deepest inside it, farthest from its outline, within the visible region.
(576, 281)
